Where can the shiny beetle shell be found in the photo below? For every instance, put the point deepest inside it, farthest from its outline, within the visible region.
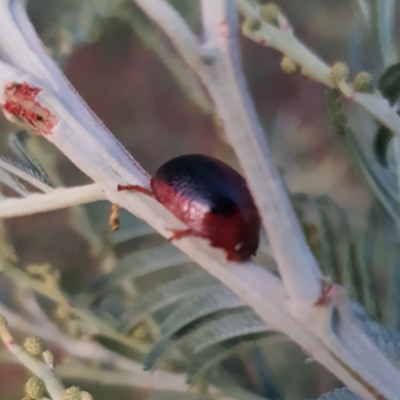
(213, 200)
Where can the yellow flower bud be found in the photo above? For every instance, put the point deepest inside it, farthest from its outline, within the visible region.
(288, 65)
(363, 82)
(253, 24)
(34, 346)
(270, 13)
(35, 388)
(72, 393)
(3, 321)
(140, 333)
(86, 396)
(339, 72)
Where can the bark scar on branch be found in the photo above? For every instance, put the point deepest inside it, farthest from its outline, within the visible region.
(20, 101)
(329, 293)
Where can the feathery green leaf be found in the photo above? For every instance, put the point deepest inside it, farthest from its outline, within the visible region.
(138, 264)
(166, 294)
(339, 394)
(239, 324)
(389, 83)
(215, 299)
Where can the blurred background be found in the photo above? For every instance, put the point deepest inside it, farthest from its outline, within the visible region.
(130, 76)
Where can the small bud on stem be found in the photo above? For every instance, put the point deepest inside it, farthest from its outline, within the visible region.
(339, 73)
(288, 65)
(35, 388)
(34, 346)
(363, 82)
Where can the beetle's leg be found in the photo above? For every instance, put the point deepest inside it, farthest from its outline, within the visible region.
(229, 256)
(114, 216)
(136, 188)
(178, 234)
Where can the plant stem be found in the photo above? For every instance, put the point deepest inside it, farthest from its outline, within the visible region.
(54, 200)
(53, 292)
(287, 43)
(37, 367)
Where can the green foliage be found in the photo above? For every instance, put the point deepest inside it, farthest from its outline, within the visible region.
(383, 182)
(389, 86)
(17, 142)
(67, 22)
(186, 286)
(389, 83)
(339, 394)
(27, 168)
(388, 340)
(240, 324)
(138, 264)
(199, 321)
(379, 244)
(382, 140)
(215, 299)
(331, 240)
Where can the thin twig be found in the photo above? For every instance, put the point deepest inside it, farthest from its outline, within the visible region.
(144, 380)
(37, 367)
(184, 76)
(178, 31)
(225, 81)
(57, 199)
(54, 293)
(287, 43)
(92, 351)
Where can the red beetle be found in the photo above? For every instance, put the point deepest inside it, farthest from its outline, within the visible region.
(212, 199)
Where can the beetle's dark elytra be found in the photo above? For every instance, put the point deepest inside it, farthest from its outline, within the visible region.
(213, 200)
